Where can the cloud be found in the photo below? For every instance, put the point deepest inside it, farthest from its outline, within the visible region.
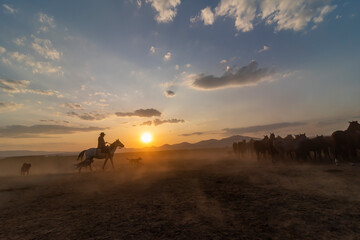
(159, 121)
(138, 2)
(152, 50)
(147, 123)
(72, 106)
(34, 131)
(188, 65)
(206, 15)
(166, 9)
(21, 86)
(9, 9)
(140, 113)
(167, 56)
(262, 128)
(192, 134)
(283, 14)
(223, 61)
(20, 41)
(37, 67)
(13, 86)
(44, 48)
(169, 93)
(2, 50)
(290, 15)
(247, 75)
(265, 48)
(90, 116)
(47, 21)
(9, 106)
(177, 67)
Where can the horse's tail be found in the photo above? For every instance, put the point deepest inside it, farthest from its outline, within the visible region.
(81, 155)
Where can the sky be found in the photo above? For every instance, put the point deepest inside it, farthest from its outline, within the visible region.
(181, 70)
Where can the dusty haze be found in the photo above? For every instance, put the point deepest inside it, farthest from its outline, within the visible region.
(178, 194)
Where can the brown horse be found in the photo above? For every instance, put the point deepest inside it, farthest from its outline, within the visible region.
(347, 142)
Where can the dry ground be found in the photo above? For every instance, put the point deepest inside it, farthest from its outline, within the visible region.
(179, 195)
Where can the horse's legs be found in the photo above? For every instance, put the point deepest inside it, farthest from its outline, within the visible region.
(112, 163)
(106, 159)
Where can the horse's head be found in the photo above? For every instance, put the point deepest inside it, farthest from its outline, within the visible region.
(354, 126)
(119, 144)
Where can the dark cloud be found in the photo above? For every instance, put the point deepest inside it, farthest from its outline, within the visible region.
(159, 121)
(147, 123)
(192, 134)
(91, 116)
(53, 121)
(246, 75)
(72, 106)
(262, 128)
(169, 93)
(34, 131)
(140, 113)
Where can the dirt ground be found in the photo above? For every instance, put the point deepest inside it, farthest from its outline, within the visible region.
(179, 195)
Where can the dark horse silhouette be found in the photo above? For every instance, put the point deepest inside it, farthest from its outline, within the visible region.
(92, 153)
(345, 143)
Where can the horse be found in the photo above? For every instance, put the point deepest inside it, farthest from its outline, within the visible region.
(92, 153)
(261, 147)
(25, 169)
(346, 143)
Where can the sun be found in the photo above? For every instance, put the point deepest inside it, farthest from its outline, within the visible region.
(146, 137)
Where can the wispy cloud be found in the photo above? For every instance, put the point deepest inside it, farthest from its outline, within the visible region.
(35, 131)
(9, 106)
(262, 128)
(35, 66)
(9, 9)
(193, 134)
(46, 21)
(90, 116)
(283, 14)
(247, 75)
(20, 41)
(147, 123)
(21, 86)
(158, 122)
(166, 9)
(152, 50)
(72, 106)
(44, 48)
(265, 48)
(140, 113)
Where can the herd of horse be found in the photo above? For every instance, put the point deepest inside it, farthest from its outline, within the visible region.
(340, 146)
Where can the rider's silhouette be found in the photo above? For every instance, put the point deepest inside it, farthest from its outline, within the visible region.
(101, 144)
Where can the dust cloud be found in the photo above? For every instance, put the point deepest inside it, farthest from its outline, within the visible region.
(178, 194)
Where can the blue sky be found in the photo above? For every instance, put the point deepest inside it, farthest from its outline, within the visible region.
(182, 70)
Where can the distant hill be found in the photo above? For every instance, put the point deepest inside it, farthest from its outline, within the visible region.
(211, 143)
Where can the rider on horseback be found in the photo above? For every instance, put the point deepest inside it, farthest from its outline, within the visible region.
(101, 144)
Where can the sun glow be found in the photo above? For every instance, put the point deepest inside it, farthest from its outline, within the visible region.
(146, 137)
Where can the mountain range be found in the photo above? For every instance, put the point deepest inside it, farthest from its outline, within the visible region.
(210, 143)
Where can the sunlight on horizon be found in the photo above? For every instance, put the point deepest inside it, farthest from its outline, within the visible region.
(146, 137)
